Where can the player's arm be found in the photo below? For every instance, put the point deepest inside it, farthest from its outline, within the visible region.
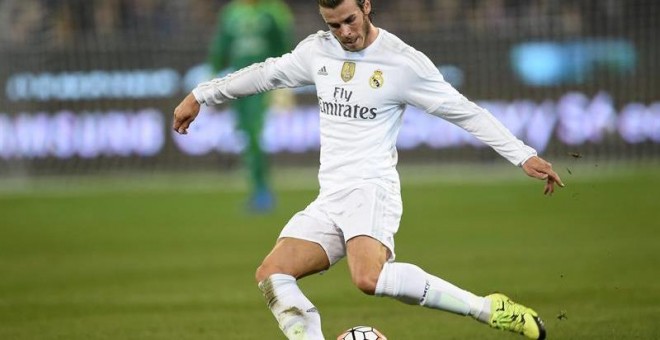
(289, 70)
(430, 92)
(185, 113)
(538, 167)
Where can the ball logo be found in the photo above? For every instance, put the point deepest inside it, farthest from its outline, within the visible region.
(376, 81)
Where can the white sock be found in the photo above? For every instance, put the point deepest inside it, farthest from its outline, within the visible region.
(412, 285)
(296, 315)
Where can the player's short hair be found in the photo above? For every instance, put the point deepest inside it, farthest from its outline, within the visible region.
(335, 3)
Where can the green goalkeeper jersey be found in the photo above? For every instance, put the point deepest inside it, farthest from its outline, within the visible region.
(249, 33)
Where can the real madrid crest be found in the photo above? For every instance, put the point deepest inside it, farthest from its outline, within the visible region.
(376, 81)
(347, 71)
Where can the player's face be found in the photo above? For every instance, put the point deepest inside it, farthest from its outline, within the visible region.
(349, 24)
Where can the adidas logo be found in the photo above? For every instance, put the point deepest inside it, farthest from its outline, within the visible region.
(322, 72)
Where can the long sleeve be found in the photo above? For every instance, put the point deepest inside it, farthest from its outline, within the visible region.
(289, 70)
(428, 90)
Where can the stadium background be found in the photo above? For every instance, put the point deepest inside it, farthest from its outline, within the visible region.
(89, 86)
(111, 227)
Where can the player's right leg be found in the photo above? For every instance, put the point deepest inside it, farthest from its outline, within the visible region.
(277, 276)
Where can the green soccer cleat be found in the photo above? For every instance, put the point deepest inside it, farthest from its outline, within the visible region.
(514, 317)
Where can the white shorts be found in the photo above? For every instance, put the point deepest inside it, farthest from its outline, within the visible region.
(331, 220)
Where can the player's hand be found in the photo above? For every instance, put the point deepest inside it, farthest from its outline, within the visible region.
(185, 113)
(539, 168)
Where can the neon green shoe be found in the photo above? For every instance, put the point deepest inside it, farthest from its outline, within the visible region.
(510, 316)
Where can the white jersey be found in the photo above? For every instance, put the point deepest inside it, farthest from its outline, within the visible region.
(362, 96)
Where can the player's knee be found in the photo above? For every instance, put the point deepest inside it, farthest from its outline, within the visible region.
(265, 270)
(366, 283)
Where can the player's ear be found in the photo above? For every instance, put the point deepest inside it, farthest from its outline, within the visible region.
(367, 7)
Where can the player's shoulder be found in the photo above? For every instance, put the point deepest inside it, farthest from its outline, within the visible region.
(318, 38)
(405, 54)
(314, 44)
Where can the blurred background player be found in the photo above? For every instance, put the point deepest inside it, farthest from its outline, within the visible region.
(249, 31)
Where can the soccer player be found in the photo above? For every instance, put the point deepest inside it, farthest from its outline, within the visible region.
(365, 77)
(250, 31)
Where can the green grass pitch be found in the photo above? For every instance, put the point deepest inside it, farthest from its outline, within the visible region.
(174, 257)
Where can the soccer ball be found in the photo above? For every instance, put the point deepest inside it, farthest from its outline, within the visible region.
(362, 333)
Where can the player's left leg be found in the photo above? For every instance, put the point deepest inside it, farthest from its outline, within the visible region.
(370, 228)
(412, 285)
(366, 257)
(371, 273)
